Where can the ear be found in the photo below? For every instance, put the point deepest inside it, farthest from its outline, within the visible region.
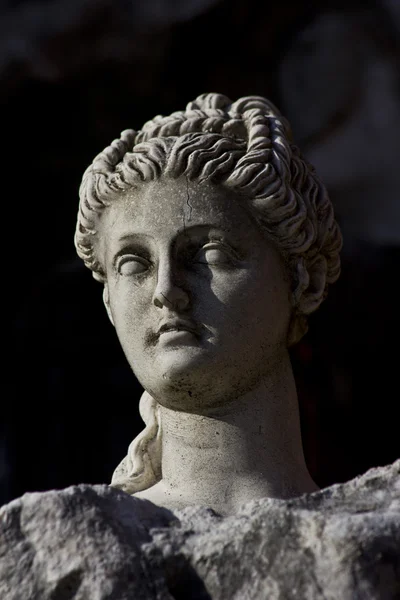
(308, 294)
(298, 327)
(106, 300)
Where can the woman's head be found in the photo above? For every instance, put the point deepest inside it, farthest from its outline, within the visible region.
(227, 299)
(244, 147)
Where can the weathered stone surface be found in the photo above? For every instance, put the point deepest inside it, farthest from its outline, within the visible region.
(93, 542)
(82, 542)
(207, 326)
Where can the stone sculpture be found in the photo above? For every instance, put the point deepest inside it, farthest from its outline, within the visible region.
(214, 241)
(96, 543)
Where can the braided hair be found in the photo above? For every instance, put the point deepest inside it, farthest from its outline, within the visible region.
(245, 146)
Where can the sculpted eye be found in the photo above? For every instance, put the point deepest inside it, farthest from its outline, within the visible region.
(132, 265)
(214, 254)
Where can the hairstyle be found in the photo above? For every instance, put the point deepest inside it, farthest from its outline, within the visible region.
(245, 146)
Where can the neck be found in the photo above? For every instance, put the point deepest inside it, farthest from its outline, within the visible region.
(249, 449)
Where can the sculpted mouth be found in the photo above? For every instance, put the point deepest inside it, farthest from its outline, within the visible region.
(178, 325)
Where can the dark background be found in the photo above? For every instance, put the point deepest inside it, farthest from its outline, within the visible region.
(73, 74)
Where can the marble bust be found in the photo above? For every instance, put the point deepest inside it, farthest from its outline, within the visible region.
(214, 240)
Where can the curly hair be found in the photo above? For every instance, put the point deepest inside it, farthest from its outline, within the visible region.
(245, 146)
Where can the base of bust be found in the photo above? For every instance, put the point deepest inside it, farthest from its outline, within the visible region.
(229, 500)
(96, 542)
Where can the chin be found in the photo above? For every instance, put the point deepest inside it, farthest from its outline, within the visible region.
(181, 363)
(184, 385)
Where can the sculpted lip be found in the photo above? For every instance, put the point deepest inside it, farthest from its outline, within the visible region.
(178, 325)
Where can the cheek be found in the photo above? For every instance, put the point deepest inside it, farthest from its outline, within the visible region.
(257, 307)
(249, 290)
(128, 304)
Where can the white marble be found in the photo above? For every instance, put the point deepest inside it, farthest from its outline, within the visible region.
(214, 241)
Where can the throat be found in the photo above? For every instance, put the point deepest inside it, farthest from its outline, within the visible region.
(247, 450)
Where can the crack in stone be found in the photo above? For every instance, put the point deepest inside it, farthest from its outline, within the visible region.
(164, 296)
(188, 198)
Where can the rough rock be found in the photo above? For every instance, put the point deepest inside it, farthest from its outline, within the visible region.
(96, 543)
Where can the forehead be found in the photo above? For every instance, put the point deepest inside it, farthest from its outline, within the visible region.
(165, 206)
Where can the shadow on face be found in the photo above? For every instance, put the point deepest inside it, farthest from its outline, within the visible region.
(199, 297)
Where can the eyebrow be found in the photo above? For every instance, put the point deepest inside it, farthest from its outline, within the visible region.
(191, 230)
(129, 237)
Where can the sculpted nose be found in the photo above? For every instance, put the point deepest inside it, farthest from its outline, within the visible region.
(169, 293)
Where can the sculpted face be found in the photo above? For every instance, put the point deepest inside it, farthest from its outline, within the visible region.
(200, 299)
